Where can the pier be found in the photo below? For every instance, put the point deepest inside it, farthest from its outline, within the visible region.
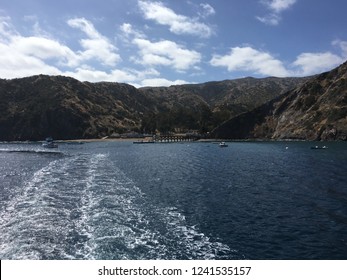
(170, 138)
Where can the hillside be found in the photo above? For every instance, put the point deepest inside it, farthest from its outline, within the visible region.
(64, 108)
(230, 97)
(35, 107)
(315, 111)
(248, 92)
(204, 106)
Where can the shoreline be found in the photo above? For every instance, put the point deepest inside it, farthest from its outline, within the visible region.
(93, 140)
(98, 140)
(77, 141)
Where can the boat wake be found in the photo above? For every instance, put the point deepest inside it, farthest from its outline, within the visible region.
(85, 207)
(31, 151)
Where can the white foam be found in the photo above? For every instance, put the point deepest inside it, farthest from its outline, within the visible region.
(44, 207)
(85, 207)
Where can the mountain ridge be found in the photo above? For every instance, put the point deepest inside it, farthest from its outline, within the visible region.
(33, 108)
(315, 111)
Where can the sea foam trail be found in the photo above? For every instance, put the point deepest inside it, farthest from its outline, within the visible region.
(41, 222)
(85, 207)
(31, 151)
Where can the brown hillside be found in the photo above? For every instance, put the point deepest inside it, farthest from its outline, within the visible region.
(315, 111)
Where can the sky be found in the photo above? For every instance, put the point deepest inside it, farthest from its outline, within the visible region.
(167, 42)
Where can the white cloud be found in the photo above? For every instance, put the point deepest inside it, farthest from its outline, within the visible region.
(14, 64)
(271, 19)
(22, 56)
(30, 55)
(166, 53)
(156, 54)
(96, 58)
(37, 47)
(93, 75)
(276, 7)
(37, 30)
(279, 6)
(250, 59)
(313, 63)
(161, 53)
(178, 24)
(86, 26)
(130, 76)
(128, 30)
(96, 46)
(6, 29)
(343, 46)
(160, 82)
(43, 48)
(207, 10)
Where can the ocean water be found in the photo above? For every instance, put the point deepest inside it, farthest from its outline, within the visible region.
(117, 200)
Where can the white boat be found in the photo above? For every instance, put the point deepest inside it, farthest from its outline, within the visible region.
(49, 143)
(319, 147)
(223, 144)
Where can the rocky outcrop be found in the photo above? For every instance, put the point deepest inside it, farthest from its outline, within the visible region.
(317, 110)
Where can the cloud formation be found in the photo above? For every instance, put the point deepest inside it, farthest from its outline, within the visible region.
(279, 6)
(95, 46)
(160, 53)
(249, 59)
(156, 82)
(207, 10)
(178, 24)
(342, 45)
(22, 56)
(166, 53)
(311, 63)
(276, 7)
(138, 59)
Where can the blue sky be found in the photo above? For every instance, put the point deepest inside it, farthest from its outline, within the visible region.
(156, 43)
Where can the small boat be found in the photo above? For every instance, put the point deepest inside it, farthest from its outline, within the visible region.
(223, 144)
(319, 147)
(49, 143)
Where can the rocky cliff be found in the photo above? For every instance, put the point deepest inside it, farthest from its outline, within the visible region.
(317, 110)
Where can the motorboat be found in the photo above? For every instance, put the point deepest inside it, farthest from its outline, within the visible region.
(319, 147)
(223, 144)
(49, 143)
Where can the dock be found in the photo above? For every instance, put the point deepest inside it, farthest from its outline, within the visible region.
(169, 138)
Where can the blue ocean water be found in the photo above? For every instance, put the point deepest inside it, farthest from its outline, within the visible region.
(117, 200)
